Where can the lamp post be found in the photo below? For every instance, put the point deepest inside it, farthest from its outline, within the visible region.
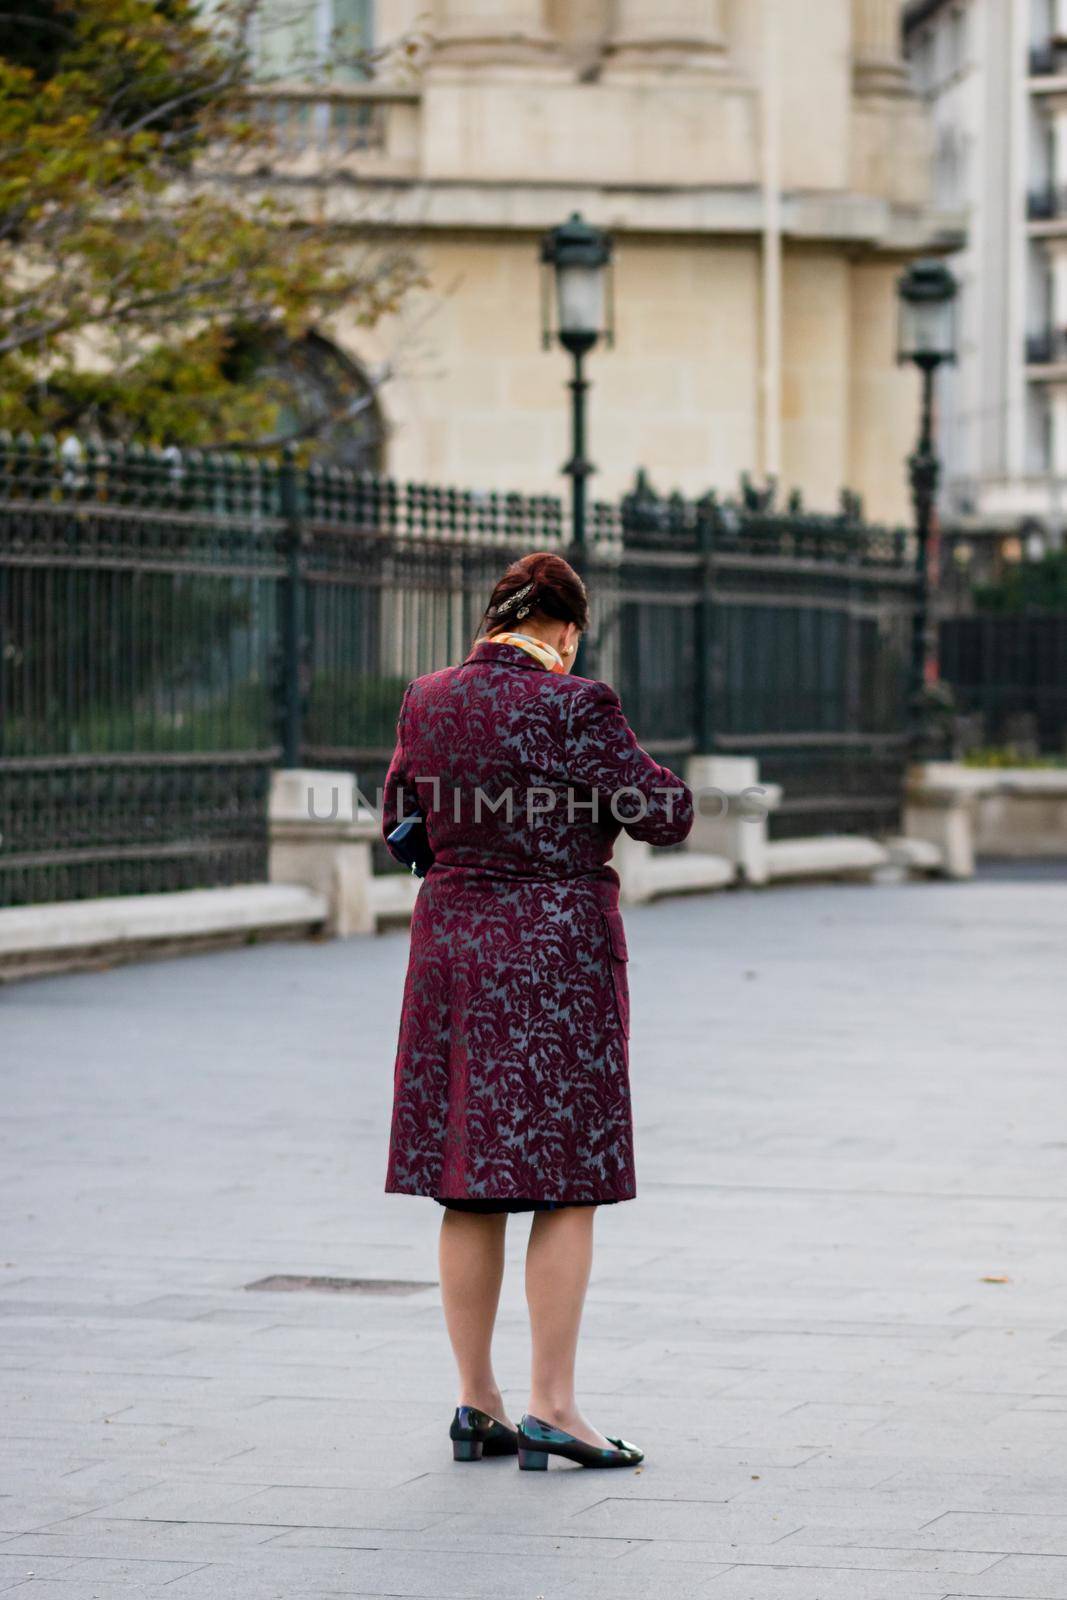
(927, 338)
(577, 311)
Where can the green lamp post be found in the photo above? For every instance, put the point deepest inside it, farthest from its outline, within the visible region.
(577, 311)
(927, 339)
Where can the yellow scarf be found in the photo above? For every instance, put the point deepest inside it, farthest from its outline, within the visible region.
(546, 654)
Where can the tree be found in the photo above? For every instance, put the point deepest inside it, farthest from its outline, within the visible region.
(139, 275)
(1030, 586)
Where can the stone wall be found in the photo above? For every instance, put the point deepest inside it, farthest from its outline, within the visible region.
(652, 118)
(476, 400)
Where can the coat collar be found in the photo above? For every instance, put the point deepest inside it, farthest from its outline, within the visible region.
(509, 655)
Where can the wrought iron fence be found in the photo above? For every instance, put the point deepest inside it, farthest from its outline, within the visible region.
(1008, 676)
(788, 635)
(173, 626)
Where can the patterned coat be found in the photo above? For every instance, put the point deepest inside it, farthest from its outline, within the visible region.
(512, 1074)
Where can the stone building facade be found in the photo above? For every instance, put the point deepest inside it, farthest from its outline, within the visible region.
(764, 168)
(993, 74)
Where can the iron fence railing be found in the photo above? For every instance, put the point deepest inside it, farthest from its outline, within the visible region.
(172, 626)
(1008, 676)
(791, 634)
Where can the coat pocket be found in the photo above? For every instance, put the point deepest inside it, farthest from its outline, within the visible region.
(618, 955)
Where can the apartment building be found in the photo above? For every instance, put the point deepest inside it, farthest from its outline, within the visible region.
(993, 74)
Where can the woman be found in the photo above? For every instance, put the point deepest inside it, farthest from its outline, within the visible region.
(511, 1089)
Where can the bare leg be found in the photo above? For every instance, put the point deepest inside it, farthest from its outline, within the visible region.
(558, 1260)
(472, 1269)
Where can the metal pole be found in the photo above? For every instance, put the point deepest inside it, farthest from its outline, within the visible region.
(578, 469)
(707, 675)
(771, 264)
(291, 619)
(924, 470)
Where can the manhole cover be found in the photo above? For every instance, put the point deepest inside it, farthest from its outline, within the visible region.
(286, 1282)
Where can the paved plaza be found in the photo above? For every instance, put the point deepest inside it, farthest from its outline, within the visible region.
(836, 1317)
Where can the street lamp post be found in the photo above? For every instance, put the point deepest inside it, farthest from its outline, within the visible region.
(927, 338)
(577, 311)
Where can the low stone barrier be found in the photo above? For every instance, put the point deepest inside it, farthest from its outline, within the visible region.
(322, 877)
(92, 933)
(998, 811)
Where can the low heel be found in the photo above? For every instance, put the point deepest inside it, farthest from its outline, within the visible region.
(467, 1449)
(533, 1460)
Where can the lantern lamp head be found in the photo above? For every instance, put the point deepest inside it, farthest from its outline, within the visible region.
(576, 286)
(927, 328)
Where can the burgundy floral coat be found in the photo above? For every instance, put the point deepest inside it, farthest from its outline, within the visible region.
(512, 1074)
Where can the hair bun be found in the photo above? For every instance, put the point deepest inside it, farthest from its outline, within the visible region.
(540, 582)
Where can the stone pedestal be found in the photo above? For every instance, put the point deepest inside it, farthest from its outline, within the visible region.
(733, 808)
(878, 67)
(947, 822)
(481, 33)
(941, 808)
(318, 838)
(676, 36)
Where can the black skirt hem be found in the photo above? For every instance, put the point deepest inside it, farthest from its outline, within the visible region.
(497, 1207)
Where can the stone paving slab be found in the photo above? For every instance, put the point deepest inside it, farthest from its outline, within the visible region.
(851, 1111)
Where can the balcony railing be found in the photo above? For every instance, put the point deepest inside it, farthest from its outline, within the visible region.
(333, 127)
(1046, 60)
(1047, 348)
(1048, 203)
(311, 129)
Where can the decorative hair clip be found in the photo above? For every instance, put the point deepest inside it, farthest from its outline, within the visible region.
(513, 600)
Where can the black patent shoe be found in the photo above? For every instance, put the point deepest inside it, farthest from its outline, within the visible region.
(475, 1434)
(538, 1441)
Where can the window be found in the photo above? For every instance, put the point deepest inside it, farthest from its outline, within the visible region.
(294, 39)
(324, 400)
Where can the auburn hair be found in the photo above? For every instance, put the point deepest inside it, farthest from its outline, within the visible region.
(537, 585)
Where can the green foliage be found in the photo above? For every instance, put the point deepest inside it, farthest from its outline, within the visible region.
(132, 259)
(1007, 755)
(1028, 586)
(359, 707)
(242, 719)
(136, 667)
